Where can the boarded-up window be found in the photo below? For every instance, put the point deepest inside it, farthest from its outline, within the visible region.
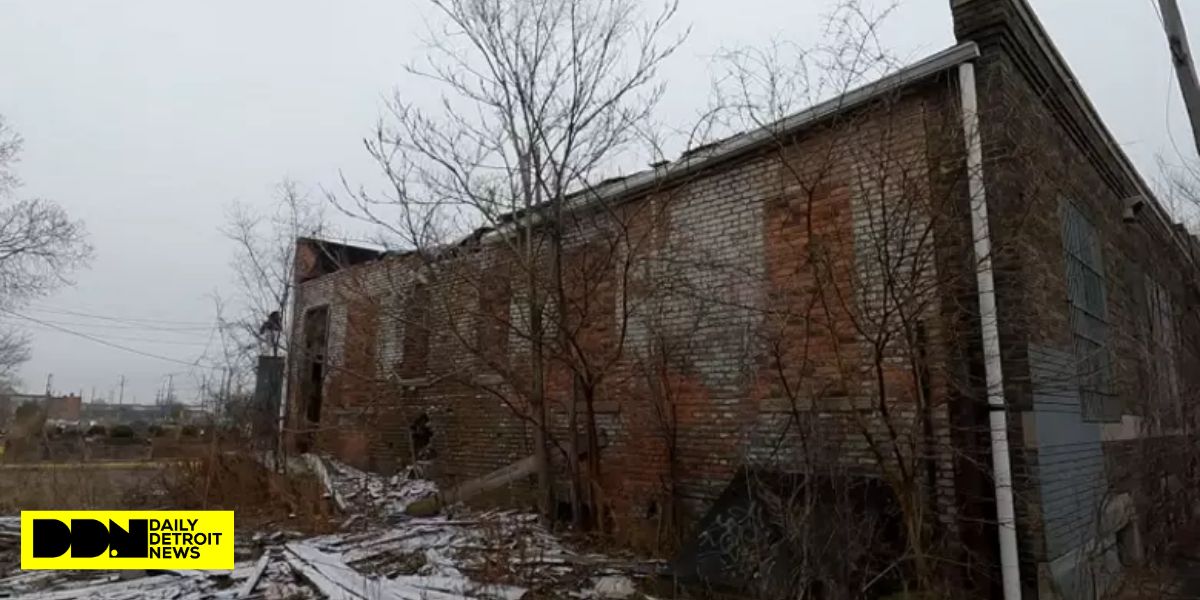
(491, 319)
(1163, 390)
(415, 352)
(1089, 326)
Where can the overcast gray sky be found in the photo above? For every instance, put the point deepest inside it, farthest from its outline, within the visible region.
(146, 118)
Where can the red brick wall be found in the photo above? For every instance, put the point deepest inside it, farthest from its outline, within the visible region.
(738, 306)
(1041, 151)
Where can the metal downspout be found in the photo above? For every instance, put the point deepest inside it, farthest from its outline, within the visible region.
(1010, 569)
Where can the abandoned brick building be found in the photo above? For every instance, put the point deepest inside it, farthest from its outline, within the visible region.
(808, 296)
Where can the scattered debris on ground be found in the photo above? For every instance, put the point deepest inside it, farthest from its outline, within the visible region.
(10, 545)
(264, 498)
(360, 492)
(378, 554)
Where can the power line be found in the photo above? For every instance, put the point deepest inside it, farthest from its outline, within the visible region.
(121, 338)
(108, 343)
(118, 319)
(132, 327)
(104, 327)
(212, 334)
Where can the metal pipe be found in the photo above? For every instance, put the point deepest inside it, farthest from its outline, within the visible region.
(1010, 569)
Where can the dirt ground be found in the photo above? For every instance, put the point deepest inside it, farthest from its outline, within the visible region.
(79, 486)
(370, 549)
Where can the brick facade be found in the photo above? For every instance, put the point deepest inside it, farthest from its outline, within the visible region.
(806, 304)
(1052, 168)
(755, 293)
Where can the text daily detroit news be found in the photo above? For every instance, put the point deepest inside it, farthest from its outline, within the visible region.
(127, 540)
(167, 538)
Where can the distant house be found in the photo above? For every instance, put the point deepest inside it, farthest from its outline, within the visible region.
(57, 408)
(107, 414)
(811, 298)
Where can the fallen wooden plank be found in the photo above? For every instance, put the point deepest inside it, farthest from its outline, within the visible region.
(259, 568)
(460, 586)
(469, 489)
(333, 589)
(145, 587)
(338, 581)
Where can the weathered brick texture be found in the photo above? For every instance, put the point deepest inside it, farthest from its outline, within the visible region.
(730, 319)
(1046, 154)
(807, 306)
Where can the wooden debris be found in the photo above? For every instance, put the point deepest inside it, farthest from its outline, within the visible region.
(260, 567)
(434, 558)
(469, 489)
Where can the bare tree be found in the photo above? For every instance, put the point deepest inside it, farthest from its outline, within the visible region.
(529, 123)
(258, 321)
(229, 369)
(14, 352)
(39, 243)
(539, 98)
(864, 330)
(40, 246)
(264, 262)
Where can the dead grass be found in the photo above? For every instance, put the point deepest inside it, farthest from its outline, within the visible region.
(259, 497)
(78, 486)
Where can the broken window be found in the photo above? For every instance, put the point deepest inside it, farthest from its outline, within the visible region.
(1088, 313)
(313, 367)
(422, 438)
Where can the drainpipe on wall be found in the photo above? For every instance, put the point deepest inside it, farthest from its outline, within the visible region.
(1010, 569)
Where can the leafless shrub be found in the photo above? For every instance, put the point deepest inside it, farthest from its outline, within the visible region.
(261, 497)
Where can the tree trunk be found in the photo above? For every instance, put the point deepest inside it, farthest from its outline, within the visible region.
(545, 491)
(573, 455)
(593, 456)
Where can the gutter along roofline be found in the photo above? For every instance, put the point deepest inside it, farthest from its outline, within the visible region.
(622, 189)
(738, 145)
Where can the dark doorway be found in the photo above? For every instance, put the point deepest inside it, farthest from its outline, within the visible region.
(422, 438)
(312, 374)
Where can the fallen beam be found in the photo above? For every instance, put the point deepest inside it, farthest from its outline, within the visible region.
(474, 487)
(259, 568)
(330, 574)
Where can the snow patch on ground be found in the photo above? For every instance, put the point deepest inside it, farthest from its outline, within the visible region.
(367, 492)
(496, 555)
(614, 587)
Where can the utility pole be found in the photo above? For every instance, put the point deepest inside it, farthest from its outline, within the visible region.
(122, 397)
(1185, 68)
(49, 382)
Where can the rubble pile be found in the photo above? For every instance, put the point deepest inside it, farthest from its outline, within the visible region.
(10, 544)
(368, 493)
(125, 585)
(498, 555)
